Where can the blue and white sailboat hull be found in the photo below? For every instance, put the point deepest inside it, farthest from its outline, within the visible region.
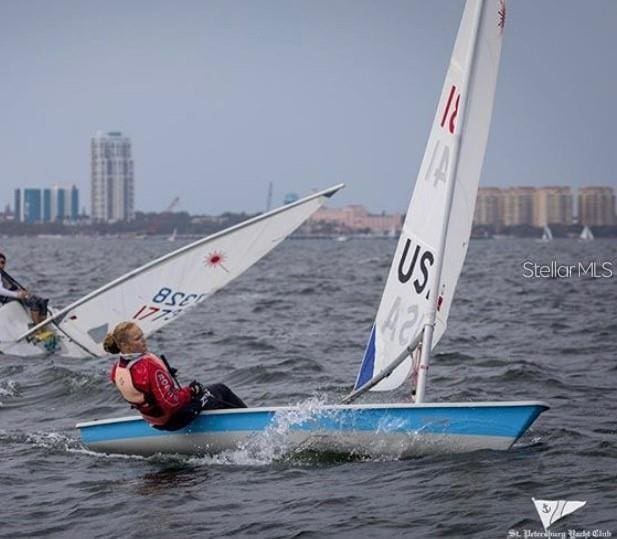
(397, 430)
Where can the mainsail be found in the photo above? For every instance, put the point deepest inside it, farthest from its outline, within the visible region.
(159, 292)
(443, 199)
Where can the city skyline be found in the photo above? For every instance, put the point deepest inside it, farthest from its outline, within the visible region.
(546, 205)
(488, 205)
(303, 95)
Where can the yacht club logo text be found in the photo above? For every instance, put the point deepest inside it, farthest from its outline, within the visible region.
(555, 270)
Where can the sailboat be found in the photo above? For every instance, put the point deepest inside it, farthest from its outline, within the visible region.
(412, 314)
(173, 235)
(547, 234)
(158, 292)
(586, 234)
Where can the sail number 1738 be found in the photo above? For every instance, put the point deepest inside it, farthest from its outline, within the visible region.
(168, 303)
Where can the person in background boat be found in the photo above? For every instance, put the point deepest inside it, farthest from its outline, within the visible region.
(11, 290)
(148, 383)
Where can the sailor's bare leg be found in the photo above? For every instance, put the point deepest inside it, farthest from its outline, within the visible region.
(37, 317)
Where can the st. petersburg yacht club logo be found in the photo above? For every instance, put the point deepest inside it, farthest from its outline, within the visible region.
(551, 511)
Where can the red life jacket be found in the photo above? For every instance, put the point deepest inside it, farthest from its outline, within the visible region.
(146, 384)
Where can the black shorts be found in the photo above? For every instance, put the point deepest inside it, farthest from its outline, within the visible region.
(215, 397)
(35, 303)
(182, 417)
(219, 396)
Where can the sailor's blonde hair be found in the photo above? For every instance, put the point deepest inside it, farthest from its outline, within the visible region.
(115, 339)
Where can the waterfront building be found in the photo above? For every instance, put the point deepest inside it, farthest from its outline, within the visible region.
(56, 204)
(113, 186)
(489, 207)
(32, 206)
(518, 206)
(553, 206)
(596, 206)
(29, 205)
(357, 218)
(18, 209)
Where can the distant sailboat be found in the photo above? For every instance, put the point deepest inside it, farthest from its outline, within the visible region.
(547, 235)
(586, 234)
(173, 235)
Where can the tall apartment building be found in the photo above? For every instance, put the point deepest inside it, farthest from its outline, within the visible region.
(489, 207)
(518, 205)
(113, 186)
(553, 206)
(596, 206)
(55, 204)
(28, 205)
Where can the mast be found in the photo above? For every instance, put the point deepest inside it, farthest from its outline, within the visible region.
(429, 325)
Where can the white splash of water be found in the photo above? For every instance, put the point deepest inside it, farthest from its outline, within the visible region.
(8, 388)
(275, 442)
(46, 440)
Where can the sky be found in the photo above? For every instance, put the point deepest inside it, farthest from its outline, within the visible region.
(220, 98)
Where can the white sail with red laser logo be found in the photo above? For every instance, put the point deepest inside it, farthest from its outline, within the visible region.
(158, 292)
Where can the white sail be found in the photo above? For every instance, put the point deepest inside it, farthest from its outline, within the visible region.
(164, 289)
(455, 152)
(15, 319)
(586, 234)
(547, 234)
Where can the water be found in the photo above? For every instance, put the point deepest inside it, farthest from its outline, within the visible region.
(292, 330)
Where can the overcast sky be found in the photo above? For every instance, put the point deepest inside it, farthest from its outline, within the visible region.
(221, 97)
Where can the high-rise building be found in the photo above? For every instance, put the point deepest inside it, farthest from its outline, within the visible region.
(113, 189)
(553, 206)
(74, 213)
(64, 203)
(596, 206)
(518, 206)
(47, 205)
(18, 206)
(55, 204)
(32, 209)
(489, 207)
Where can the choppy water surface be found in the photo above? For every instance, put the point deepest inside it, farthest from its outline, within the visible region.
(291, 330)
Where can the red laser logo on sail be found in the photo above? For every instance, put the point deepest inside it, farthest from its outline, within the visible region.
(214, 259)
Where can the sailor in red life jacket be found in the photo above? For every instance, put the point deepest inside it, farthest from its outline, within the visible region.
(148, 384)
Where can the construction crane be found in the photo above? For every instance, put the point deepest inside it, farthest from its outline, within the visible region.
(158, 224)
(173, 204)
